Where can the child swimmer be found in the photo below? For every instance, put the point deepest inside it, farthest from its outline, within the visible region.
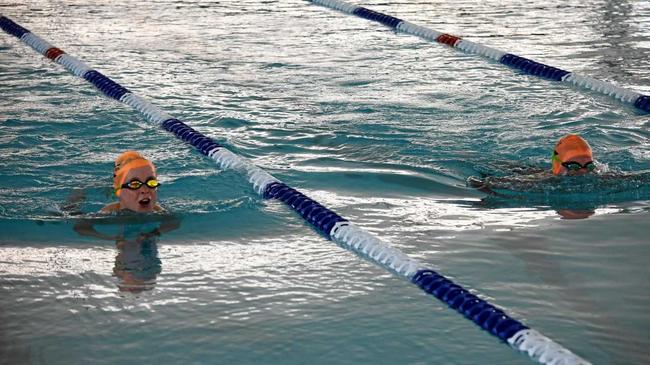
(135, 184)
(572, 156)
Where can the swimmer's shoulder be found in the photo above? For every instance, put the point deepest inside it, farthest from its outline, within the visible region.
(111, 208)
(115, 207)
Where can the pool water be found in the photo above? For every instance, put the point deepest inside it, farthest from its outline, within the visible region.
(382, 128)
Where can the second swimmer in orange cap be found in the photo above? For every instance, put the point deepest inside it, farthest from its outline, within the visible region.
(572, 156)
(135, 183)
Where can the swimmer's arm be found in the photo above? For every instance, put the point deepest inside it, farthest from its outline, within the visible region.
(480, 185)
(73, 204)
(85, 228)
(169, 224)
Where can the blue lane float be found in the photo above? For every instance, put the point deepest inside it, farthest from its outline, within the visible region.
(317, 215)
(525, 65)
(377, 17)
(109, 87)
(472, 307)
(327, 222)
(533, 68)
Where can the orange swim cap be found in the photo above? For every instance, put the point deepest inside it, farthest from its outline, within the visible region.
(124, 163)
(568, 148)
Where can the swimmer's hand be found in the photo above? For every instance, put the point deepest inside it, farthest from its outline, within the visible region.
(475, 182)
(73, 204)
(480, 185)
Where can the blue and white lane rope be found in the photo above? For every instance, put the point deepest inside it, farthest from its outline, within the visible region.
(528, 66)
(330, 224)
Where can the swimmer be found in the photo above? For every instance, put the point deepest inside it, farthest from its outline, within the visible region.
(135, 184)
(572, 156)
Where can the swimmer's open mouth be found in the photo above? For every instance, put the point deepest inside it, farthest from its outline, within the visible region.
(144, 202)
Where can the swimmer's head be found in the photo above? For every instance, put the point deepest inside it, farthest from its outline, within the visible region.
(135, 182)
(572, 156)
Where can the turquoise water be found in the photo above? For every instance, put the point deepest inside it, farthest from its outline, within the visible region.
(383, 128)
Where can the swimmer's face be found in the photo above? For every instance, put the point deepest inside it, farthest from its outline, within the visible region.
(141, 200)
(582, 160)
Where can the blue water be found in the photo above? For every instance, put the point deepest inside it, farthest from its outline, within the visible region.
(383, 128)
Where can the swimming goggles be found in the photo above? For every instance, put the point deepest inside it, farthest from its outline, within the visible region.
(136, 184)
(573, 165)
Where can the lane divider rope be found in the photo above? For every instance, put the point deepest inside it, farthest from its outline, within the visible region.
(330, 224)
(523, 64)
